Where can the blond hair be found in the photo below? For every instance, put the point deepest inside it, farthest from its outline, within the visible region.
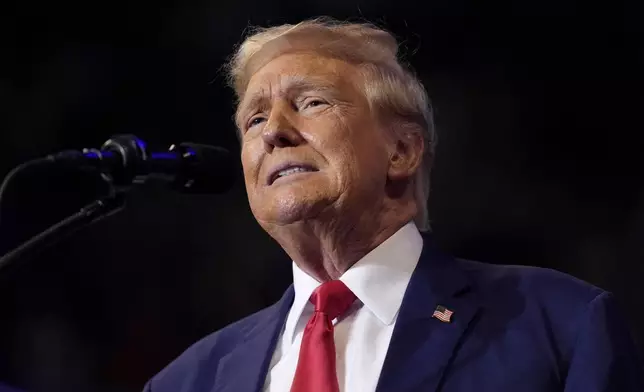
(390, 87)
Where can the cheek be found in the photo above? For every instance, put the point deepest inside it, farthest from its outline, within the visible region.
(365, 161)
(356, 152)
(338, 142)
(250, 158)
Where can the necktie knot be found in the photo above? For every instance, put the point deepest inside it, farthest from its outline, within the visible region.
(332, 298)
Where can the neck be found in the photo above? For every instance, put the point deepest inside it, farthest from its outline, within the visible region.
(326, 248)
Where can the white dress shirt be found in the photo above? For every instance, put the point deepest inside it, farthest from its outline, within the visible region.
(362, 335)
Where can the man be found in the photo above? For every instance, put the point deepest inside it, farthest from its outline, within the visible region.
(337, 142)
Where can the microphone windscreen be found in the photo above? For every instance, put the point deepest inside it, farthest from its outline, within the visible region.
(206, 169)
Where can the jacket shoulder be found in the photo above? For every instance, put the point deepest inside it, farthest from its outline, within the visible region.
(538, 301)
(569, 328)
(202, 358)
(542, 285)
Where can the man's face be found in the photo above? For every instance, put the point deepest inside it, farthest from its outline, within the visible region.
(310, 146)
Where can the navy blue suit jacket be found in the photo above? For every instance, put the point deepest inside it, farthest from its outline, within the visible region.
(513, 329)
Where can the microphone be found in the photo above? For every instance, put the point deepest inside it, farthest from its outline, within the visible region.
(124, 160)
(189, 167)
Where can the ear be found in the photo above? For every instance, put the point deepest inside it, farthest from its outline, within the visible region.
(406, 151)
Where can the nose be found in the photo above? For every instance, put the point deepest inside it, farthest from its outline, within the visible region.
(280, 132)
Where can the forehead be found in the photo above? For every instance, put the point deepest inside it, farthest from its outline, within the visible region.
(299, 71)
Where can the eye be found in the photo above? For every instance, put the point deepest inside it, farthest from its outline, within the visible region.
(256, 120)
(313, 103)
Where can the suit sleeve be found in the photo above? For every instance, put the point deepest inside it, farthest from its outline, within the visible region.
(148, 386)
(604, 357)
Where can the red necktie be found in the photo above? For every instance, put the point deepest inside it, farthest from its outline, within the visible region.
(316, 364)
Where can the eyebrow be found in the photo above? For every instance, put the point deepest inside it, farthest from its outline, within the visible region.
(291, 86)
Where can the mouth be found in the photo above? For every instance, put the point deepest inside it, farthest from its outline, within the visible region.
(289, 169)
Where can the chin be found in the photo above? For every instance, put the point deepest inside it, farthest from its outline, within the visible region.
(291, 208)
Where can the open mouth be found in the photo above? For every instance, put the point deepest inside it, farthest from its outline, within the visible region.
(289, 170)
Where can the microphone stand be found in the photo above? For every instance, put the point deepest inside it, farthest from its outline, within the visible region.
(91, 213)
(124, 161)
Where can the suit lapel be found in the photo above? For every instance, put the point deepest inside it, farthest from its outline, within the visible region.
(244, 369)
(421, 346)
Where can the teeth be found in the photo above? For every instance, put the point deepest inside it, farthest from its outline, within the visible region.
(291, 170)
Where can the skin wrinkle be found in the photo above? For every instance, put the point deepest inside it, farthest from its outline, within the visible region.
(299, 83)
(362, 193)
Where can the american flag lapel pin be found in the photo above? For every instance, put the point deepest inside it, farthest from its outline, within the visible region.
(443, 314)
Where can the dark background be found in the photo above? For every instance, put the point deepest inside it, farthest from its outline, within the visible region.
(539, 163)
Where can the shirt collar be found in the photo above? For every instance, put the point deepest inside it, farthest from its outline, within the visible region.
(304, 285)
(379, 279)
